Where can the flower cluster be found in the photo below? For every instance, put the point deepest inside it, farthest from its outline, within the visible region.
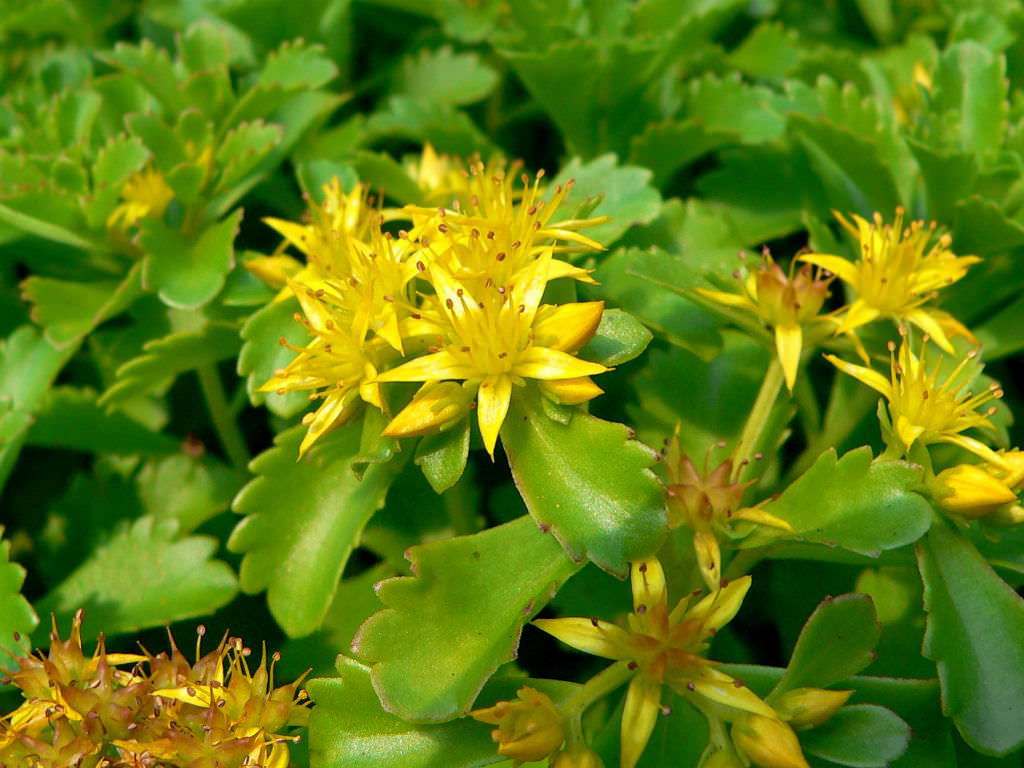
(113, 709)
(454, 302)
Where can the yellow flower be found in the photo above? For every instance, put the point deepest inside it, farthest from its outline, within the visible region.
(664, 648)
(924, 410)
(709, 503)
(896, 275)
(440, 178)
(497, 339)
(786, 303)
(809, 707)
(501, 230)
(146, 193)
(529, 727)
(339, 365)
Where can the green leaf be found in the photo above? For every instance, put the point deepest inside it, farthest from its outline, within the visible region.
(443, 456)
(730, 104)
(40, 227)
(167, 147)
(610, 512)
(262, 354)
(72, 418)
(144, 576)
(447, 629)
(620, 337)
(443, 77)
(769, 52)
(28, 366)
(242, 149)
(296, 65)
(975, 634)
(625, 192)
(303, 519)
(382, 172)
(16, 615)
(349, 729)
(666, 148)
(860, 736)
(69, 310)
(837, 642)
(153, 68)
(188, 272)
(948, 178)
(115, 161)
(166, 358)
(855, 503)
(447, 128)
(851, 171)
(971, 82)
(188, 489)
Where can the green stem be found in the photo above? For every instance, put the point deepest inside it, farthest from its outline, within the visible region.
(597, 687)
(223, 421)
(758, 418)
(745, 560)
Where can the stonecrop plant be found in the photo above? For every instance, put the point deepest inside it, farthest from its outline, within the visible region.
(568, 383)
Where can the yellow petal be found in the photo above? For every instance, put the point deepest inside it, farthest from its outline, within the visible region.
(768, 742)
(907, 431)
(274, 270)
(433, 408)
(639, 716)
(718, 608)
(873, 379)
(729, 700)
(810, 707)
(296, 234)
(759, 516)
(923, 319)
(976, 447)
(736, 300)
(572, 391)
(567, 327)
(593, 636)
(492, 401)
(709, 557)
(844, 268)
(545, 363)
(433, 367)
(856, 315)
(335, 410)
(647, 578)
(788, 343)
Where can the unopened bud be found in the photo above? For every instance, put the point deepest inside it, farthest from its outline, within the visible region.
(767, 742)
(577, 756)
(723, 758)
(529, 727)
(810, 707)
(969, 491)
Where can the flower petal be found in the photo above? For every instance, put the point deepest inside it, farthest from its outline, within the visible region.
(296, 234)
(434, 407)
(718, 608)
(789, 341)
(647, 579)
(844, 268)
(924, 320)
(737, 300)
(567, 327)
(709, 557)
(572, 391)
(639, 716)
(856, 315)
(434, 367)
(873, 379)
(492, 401)
(546, 363)
(600, 638)
(721, 689)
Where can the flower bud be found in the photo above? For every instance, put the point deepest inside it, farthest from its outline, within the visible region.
(969, 491)
(577, 756)
(767, 742)
(809, 707)
(529, 727)
(723, 758)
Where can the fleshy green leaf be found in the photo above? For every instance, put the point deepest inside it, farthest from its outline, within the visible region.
(69, 310)
(860, 736)
(853, 502)
(350, 729)
(144, 576)
(610, 512)
(242, 149)
(837, 642)
(620, 337)
(971, 81)
(16, 615)
(188, 272)
(303, 519)
(625, 191)
(443, 77)
(72, 418)
(164, 359)
(447, 629)
(975, 634)
(262, 354)
(442, 457)
(28, 365)
(188, 489)
(666, 148)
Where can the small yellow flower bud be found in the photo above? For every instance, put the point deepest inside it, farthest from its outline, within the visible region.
(809, 707)
(529, 727)
(723, 759)
(768, 742)
(577, 756)
(1006, 516)
(969, 491)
